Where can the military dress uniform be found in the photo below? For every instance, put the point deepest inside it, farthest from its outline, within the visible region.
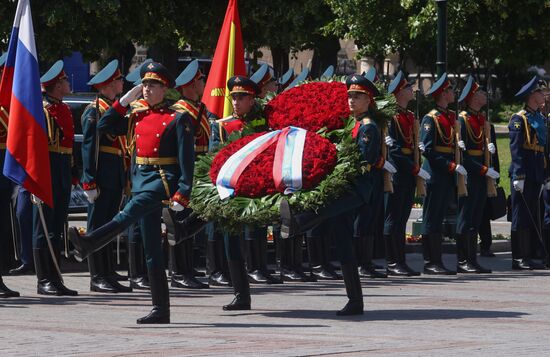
(399, 202)
(529, 165)
(104, 170)
(59, 121)
(161, 172)
(471, 207)
(255, 237)
(181, 254)
(437, 134)
(5, 188)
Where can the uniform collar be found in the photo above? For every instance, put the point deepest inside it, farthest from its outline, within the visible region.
(51, 99)
(106, 100)
(473, 112)
(400, 109)
(530, 110)
(442, 110)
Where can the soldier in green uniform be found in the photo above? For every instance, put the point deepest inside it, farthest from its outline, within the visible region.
(161, 172)
(401, 142)
(103, 175)
(247, 116)
(59, 120)
(471, 207)
(438, 143)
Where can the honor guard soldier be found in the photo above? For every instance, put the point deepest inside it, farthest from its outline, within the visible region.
(190, 85)
(438, 143)
(247, 117)
(137, 267)
(161, 172)
(103, 175)
(6, 187)
(528, 171)
(401, 142)
(474, 129)
(368, 134)
(265, 81)
(59, 121)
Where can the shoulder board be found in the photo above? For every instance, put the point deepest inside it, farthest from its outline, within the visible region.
(367, 120)
(521, 112)
(433, 112)
(463, 114)
(103, 106)
(139, 106)
(183, 106)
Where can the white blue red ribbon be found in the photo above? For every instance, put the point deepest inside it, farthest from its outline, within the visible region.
(287, 166)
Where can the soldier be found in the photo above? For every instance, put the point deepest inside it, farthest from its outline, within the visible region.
(137, 267)
(470, 208)
(438, 143)
(6, 229)
(368, 216)
(59, 120)
(265, 81)
(246, 116)
(528, 170)
(162, 173)
(190, 84)
(103, 175)
(401, 140)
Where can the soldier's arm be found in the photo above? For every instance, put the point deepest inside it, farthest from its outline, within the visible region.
(89, 138)
(369, 145)
(114, 121)
(515, 129)
(186, 158)
(403, 161)
(427, 136)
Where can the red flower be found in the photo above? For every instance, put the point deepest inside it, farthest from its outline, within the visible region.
(311, 106)
(319, 159)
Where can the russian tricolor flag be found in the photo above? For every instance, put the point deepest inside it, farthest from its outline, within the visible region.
(27, 159)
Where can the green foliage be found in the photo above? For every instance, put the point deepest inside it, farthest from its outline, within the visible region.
(502, 112)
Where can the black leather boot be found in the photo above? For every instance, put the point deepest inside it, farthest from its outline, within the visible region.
(524, 238)
(136, 266)
(292, 225)
(182, 275)
(56, 279)
(241, 287)
(98, 281)
(5, 292)
(216, 264)
(160, 314)
(435, 265)
(256, 262)
(353, 291)
(23, 269)
(463, 265)
(95, 240)
(49, 281)
(472, 254)
(111, 267)
(316, 259)
(367, 268)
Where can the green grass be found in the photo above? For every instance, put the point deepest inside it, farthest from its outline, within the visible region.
(503, 144)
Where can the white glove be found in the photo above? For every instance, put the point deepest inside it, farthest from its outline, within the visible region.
(175, 206)
(461, 145)
(389, 167)
(547, 186)
(132, 95)
(518, 185)
(459, 169)
(492, 148)
(421, 146)
(91, 195)
(35, 200)
(492, 173)
(424, 174)
(389, 141)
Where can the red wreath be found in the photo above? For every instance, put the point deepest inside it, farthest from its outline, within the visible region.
(310, 106)
(319, 159)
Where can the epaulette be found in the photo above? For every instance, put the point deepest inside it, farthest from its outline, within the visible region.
(433, 112)
(139, 105)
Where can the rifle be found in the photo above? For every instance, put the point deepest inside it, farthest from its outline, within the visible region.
(461, 189)
(388, 185)
(420, 183)
(491, 183)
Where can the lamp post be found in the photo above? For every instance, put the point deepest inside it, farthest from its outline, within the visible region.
(441, 37)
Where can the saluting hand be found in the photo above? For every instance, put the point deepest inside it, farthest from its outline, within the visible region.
(132, 95)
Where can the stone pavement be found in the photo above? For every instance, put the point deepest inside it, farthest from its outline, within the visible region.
(505, 313)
